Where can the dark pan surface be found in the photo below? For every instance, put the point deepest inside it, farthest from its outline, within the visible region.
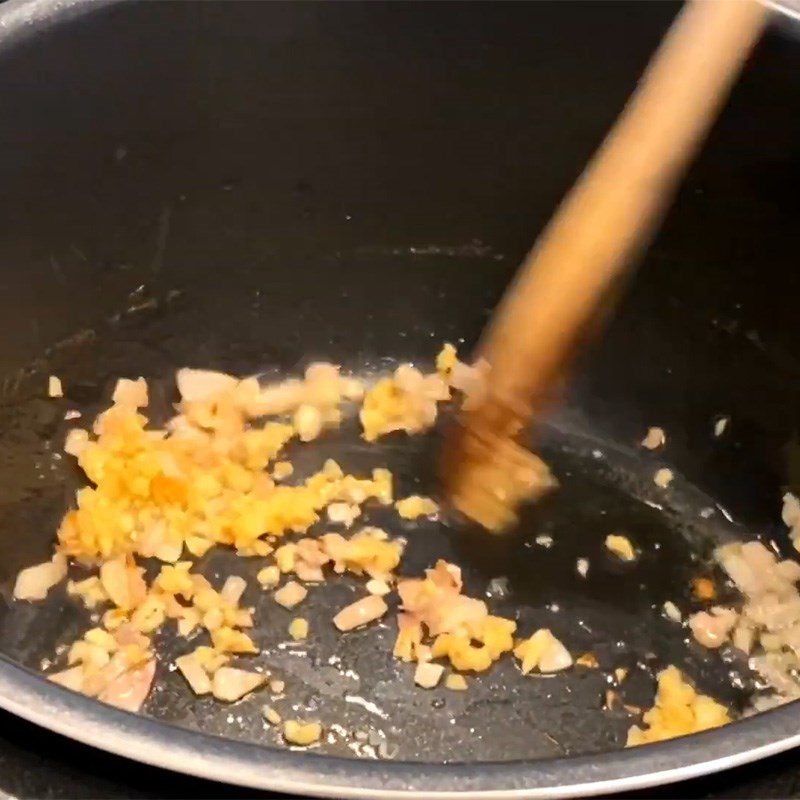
(253, 187)
(365, 697)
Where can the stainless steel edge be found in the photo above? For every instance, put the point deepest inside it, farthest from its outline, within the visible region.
(22, 18)
(787, 8)
(29, 696)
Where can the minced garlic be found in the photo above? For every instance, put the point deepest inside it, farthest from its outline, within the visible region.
(679, 710)
(416, 506)
(544, 652)
(456, 682)
(298, 629)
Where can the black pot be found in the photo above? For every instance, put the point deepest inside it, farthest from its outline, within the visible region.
(244, 186)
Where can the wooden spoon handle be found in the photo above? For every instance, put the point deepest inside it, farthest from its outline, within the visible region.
(616, 204)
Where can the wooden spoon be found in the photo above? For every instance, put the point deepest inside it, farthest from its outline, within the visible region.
(602, 224)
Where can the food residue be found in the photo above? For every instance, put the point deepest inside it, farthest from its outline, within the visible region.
(588, 660)
(703, 588)
(378, 586)
(620, 546)
(301, 733)
(298, 629)
(282, 470)
(790, 514)
(54, 387)
(654, 438)
(672, 612)
(663, 477)
(271, 715)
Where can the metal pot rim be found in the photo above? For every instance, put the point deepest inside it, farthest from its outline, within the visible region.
(159, 744)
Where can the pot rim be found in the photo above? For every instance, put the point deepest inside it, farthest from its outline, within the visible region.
(32, 697)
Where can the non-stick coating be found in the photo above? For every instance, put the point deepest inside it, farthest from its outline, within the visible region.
(248, 186)
(367, 699)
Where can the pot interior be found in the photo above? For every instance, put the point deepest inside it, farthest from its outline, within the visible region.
(251, 186)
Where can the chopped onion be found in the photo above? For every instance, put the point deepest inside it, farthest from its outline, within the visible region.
(76, 441)
(672, 612)
(791, 510)
(231, 684)
(277, 398)
(195, 675)
(663, 477)
(720, 425)
(54, 387)
(169, 551)
(233, 589)
(743, 638)
(543, 651)
(360, 613)
(555, 657)
(300, 733)
(268, 577)
(343, 513)
(309, 573)
(33, 583)
(456, 682)
(130, 690)
(377, 586)
(290, 595)
(196, 385)
(307, 421)
(123, 584)
(712, 629)
(655, 438)
(271, 715)
(71, 678)
(428, 675)
(131, 393)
